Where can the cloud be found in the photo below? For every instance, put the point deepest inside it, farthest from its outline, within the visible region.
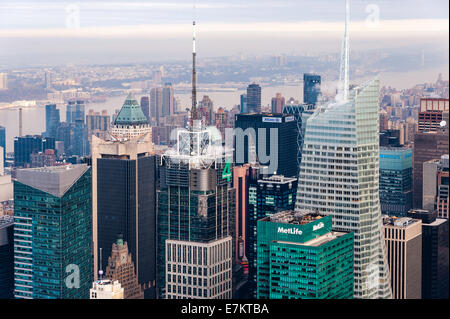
(310, 29)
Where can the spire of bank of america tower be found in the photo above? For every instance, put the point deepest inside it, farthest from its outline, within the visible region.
(343, 76)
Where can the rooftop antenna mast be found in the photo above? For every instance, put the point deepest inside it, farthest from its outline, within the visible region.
(194, 75)
(100, 272)
(343, 77)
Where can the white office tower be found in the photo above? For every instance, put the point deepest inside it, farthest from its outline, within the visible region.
(106, 289)
(339, 176)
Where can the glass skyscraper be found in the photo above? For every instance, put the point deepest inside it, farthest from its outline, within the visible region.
(253, 98)
(311, 88)
(339, 175)
(267, 196)
(196, 205)
(300, 257)
(53, 233)
(26, 145)
(51, 120)
(272, 133)
(3, 142)
(396, 180)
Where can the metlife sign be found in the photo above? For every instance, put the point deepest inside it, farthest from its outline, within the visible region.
(291, 231)
(318, 226)
(296, 233)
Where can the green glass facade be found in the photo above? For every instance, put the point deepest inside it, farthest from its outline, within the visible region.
(298, 262)
(53, 241)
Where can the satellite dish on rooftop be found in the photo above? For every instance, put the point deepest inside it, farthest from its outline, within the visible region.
(443, 123)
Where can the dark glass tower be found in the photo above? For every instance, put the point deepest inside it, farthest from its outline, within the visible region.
(6, 257)
(25, 146)
(267, 196)
(124, 204)
(253, 98)
(311, 88)
(281, 134)
(51, 120)
(195, 213)
(53, 233)
(435, 265)
(3, 142)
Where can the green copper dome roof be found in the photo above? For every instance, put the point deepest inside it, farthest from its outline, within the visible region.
(130, 113)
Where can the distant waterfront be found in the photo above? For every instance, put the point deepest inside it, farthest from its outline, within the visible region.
(34, 117)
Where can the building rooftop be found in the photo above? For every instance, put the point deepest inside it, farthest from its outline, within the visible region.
(277, 179)
(6, 221)
(398, 221)
(55, 180)
(295, 218)
(130, 113)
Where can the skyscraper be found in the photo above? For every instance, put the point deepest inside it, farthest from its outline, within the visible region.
(3, 142)
(278, 103)
(25, 146)
(48, 80)
(435, 265)
(269, 196)
(243, 105)
(75, 111)
(195, 218)
(145, 106)
(131, 122)
(311, 88)
(301, 257)
(156, 104)
(53, 233)
(431, 113)
(395, 183)
(123, 183)
(274, 137)
(167, 100)
(121, 268)
(51, 120)
(206, 110)
(6, 256)
(427, 146)
(301, 113)
(404, 250)
(436, 186)
(253, 98)
(339, 175)
(97, 123)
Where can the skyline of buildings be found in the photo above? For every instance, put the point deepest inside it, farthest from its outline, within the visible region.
(154, 202)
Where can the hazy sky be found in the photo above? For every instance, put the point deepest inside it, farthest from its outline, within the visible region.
(52, 32)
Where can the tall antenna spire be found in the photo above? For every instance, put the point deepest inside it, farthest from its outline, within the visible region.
(194, 75)
(343, 77)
